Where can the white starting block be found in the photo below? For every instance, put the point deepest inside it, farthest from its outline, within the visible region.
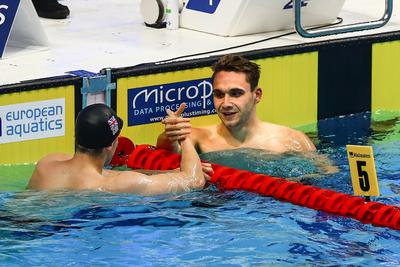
(240, 17)
(20, 26)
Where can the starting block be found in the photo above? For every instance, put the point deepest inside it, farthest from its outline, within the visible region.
(241, 17)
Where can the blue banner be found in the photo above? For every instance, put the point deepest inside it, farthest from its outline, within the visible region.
(82, 73)
(149, 104)
(8, 11)
(206, 6)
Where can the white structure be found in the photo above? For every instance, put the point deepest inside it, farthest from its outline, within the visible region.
(240, 17)
(26, 30)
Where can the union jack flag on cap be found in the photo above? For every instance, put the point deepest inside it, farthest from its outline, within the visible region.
(113, 123)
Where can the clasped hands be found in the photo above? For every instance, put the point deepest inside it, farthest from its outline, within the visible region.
(178, 128)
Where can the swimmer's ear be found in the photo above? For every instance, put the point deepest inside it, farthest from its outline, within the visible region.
(108, 148)
(258, 94)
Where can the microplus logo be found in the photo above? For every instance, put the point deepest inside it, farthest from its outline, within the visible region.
(149, 104)
(32, 120)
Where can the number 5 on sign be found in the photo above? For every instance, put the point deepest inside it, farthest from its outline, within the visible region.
(362, 169)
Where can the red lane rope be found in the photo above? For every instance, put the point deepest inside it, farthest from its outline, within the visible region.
(225, 178)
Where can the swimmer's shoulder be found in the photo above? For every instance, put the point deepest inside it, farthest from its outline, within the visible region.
(275, 129)
(45, 169)
(52, 158)
(303, 139)
(281, 130)
(202, 133)
(290, 134)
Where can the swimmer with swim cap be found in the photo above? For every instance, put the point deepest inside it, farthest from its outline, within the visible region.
(97, 126)
(96, 131)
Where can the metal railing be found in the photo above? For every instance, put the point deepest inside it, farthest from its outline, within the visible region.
(368, 25)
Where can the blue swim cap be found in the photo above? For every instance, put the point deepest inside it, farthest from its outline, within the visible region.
(97, 126)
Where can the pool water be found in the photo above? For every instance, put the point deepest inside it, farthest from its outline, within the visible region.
(208, 228)
(260, 161)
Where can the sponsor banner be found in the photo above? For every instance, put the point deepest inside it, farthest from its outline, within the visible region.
(32, 120)
(206, 6)
(8, 11)
(148, 104)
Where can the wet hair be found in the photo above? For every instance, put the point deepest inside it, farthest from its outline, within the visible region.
(237, 63)
(96, 127)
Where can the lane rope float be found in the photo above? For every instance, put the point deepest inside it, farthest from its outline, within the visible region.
(226, 178)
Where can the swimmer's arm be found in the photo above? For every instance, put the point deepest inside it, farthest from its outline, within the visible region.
(191, 164)
(322, 162)
(306, 143)
(152, 172)
(189, 177)
(164, 142)
(297, 141)
(176, 129)
(206, 167)
(147, 185)
(325, 164)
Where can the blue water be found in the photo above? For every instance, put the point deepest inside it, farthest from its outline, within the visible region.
(210, 228)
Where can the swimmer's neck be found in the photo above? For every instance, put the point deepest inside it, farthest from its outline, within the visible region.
(242, 132)
(87, 161)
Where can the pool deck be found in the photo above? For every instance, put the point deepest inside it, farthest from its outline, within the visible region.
(99, 34)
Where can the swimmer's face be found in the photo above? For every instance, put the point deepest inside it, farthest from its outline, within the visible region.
(233, 99)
